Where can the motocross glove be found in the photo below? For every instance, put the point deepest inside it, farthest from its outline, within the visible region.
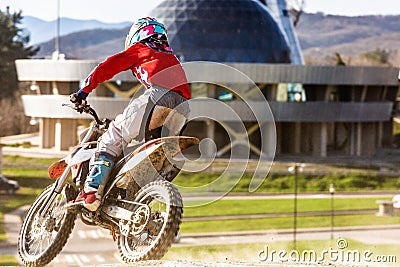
(79, 99)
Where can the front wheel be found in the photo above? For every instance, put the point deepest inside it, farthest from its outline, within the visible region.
(161, 226)
(42, 238)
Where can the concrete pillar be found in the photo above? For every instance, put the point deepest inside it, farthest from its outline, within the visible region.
(368, 139)
(58, 133)
(47, 131)
(359, 139)
(272, 92)
(379, 133)
(210, 132)
(320, 139)
(364, 92)
(63, 88)
(278, 128)
(297, 138)
(352, 143)
(328, 91)
(269, 139)
(65, 134)
(54, 88)
(306, 132)
(324, 139)
(210, 124)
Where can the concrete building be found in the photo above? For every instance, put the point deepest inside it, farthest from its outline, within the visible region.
(348, 109)
(317, 110)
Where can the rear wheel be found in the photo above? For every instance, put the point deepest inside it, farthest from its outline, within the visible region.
(41, 238)
(157, 226)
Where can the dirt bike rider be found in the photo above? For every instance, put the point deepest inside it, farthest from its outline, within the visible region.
(148, 55)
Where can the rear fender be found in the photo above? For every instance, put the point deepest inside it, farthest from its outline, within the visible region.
(137, 157)
(158, 150)
(151, 159)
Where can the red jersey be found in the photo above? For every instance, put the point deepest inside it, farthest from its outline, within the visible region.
(148, 65)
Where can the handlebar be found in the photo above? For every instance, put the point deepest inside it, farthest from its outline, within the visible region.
(87, 109)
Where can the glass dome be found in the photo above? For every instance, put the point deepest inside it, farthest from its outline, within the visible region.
(240, 31)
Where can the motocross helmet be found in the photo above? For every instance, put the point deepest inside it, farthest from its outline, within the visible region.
(145, 28)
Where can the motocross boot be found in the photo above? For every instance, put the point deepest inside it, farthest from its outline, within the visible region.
(99, 171)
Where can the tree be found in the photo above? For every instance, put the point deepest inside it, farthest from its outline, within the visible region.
(378, 56)
(12, 47)
(339, 60)
(296, 9)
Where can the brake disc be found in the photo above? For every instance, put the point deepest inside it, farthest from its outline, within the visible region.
(138, 223)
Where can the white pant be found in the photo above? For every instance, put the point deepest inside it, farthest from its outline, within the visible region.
(127, 126)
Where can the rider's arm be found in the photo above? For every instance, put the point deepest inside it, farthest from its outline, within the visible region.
(109, 68)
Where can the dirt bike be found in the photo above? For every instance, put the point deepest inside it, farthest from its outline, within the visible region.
(140, 207)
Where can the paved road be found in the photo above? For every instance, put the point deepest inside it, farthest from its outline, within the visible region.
(86, 245)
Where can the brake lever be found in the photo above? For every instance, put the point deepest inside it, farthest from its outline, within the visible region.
(68, 105)
(85, 108)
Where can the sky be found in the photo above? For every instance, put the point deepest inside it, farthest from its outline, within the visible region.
(129, 10)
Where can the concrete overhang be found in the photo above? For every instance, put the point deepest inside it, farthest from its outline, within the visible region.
(50, 106)
(77, 70)
(226, 111)
(60, 70)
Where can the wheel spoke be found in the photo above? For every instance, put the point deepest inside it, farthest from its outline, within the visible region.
(49, 239)
(41, 243)
(37, 247)
(30, 242)
(37, 239)
(163, 200)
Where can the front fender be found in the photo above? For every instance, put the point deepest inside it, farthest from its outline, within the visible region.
(79, 155)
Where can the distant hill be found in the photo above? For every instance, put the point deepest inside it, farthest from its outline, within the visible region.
(88, 44)
(41, 30)
(320, 37)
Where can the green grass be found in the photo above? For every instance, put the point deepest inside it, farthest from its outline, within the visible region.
(3, 236)
(248, 252)
(274, 183)
(284, 223)
(21, 167)
(28, 172)
(260, 206)
(25, 161)
(24, 196)
(8, 260)
(31, 174)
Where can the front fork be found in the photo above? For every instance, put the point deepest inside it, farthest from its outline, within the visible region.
(57, 189)
(62, 180)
